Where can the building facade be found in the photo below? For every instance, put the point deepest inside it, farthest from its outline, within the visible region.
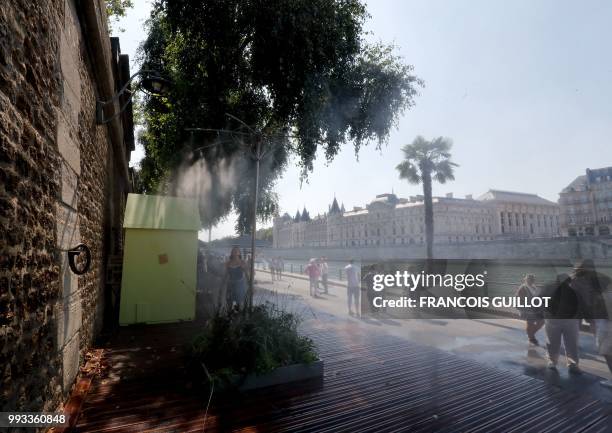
(390, 220)
(586, 204)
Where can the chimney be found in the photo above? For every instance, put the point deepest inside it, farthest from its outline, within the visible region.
(449, 195)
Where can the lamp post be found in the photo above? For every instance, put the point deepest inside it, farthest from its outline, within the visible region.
(256, 153)
(257, 157)
(151, 82)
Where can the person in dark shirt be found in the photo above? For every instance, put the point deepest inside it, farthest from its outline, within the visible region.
(595, 292)
(562, 322)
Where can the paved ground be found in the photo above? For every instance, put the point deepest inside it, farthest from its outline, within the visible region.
(497, 342)
(380, 375)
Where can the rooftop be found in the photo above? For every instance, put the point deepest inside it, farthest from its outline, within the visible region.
(161, 212)
(578, 184)
(515, 197)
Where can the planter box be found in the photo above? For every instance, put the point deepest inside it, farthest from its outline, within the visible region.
(282, 375)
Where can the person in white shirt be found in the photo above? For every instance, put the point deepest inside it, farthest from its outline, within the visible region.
(533, 317)
(353, 287)
(324, 272)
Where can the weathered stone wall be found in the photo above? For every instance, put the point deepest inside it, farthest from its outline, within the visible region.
(560, 249)
(29, 187)
(60, 185)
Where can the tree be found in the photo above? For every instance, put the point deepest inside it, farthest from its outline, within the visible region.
(424, 162)
(297, 71)
(265, 234)
(115, 10)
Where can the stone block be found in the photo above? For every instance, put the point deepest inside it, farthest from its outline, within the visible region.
(70, 362)
(70, 185)
(71, 26)
(69, 61)
(68, 236)
(67, 226)
(69, 317)
(67, 146)
(70, 104)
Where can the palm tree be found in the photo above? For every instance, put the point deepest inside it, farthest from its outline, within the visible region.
(425, 161)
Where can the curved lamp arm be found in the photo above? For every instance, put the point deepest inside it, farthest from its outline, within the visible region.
(100, 104)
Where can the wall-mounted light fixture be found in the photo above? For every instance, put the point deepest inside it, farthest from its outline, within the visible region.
(151, 82)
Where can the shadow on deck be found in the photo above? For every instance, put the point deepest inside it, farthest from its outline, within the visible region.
(372, 383)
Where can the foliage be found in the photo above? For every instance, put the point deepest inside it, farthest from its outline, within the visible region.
(241, 342)
(425, 161)
(116, 9)
(264, 234)
(297, 71)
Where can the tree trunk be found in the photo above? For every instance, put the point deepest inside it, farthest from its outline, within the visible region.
(429, 220)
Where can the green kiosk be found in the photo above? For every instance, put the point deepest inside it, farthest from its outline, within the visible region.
(160, 259)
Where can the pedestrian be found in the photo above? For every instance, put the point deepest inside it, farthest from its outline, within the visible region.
(562, 322)
(532, 316)
(273, 269)
(324, 274)
(603, 333)
(593, 289)
(280, 267)
(353, 286)
(368, 279)
(590, 285)
(313, 272)
(235, 278)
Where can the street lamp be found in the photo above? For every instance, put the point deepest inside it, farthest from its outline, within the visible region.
(257, 155)
(151, 82)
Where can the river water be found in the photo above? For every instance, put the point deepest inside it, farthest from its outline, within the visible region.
(502, 278)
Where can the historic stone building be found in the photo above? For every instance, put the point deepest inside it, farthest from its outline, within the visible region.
(586, 204)
(64, 179)
(522, 216)
(389, 220)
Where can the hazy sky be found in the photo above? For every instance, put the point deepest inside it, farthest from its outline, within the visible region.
(523, 88)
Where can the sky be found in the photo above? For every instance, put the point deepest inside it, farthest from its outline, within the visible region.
(523, 89)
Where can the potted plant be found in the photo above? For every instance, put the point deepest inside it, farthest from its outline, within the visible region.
(253, 348)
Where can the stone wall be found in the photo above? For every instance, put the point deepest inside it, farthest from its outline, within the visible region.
(558, 249)
(60, 185)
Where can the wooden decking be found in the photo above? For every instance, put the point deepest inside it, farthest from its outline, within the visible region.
(373, 382)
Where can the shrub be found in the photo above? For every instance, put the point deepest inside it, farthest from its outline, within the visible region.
(242, 341)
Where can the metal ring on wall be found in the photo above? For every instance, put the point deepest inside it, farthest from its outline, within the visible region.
(74, 253)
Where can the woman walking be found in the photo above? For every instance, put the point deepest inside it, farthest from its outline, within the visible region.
(532, 316)
(235, 277)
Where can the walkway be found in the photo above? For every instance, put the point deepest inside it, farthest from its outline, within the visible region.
(374, 381)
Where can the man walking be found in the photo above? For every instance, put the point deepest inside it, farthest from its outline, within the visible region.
(324, 272)
(280, 267)
(562, 322)
(353, 287)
